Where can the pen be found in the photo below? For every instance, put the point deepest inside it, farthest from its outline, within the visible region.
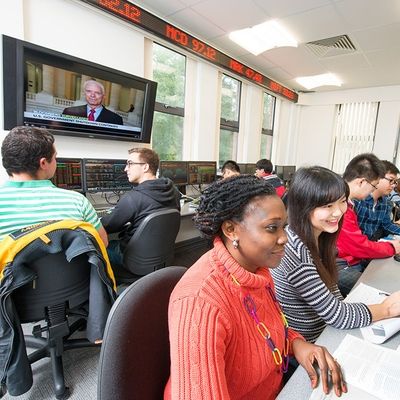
(384, 294)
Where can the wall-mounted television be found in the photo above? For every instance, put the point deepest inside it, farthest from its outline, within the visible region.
(46, 88)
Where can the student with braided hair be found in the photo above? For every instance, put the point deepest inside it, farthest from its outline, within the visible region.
(229, 339)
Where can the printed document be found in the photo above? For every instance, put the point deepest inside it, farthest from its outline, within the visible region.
(372, 372)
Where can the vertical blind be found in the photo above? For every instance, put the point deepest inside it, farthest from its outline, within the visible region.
(354, 132)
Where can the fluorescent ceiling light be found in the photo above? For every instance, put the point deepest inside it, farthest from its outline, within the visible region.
(263, 37)
(310, 82)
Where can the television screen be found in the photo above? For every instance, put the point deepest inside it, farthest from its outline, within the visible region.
(72, 96)
(177, 171)
(202, 172)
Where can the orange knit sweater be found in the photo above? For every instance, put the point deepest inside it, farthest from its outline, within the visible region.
(217, 352)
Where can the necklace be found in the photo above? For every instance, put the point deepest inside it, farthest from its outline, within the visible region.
(280, 358)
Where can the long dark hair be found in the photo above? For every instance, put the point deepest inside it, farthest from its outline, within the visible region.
(314, 187)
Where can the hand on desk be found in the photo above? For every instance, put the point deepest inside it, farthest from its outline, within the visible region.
(396, 244)
(307, 354)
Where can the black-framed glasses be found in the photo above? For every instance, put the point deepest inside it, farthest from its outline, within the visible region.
(391, 181)
(130, 163)
(374, 186)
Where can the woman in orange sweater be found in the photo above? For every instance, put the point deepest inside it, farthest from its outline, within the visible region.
(229, 338)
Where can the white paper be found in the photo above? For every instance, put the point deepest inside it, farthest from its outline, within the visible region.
(378, 332)
(372, 372)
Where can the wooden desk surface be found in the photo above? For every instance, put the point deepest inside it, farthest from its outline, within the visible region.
(382, 274)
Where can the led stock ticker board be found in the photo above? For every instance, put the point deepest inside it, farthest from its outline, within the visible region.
(139, 17)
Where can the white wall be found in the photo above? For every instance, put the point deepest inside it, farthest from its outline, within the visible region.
(317, 117)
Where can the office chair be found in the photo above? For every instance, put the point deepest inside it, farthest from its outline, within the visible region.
(59, 290)
(134, 359)
(151, 247)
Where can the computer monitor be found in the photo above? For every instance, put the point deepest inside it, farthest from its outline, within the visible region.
(250, 169)
(202, 172)
(285, 172)
(69, 174)
(105, 175)
(177, 171)
(288, 172)
(279, 170)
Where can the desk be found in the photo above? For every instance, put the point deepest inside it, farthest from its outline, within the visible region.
(187, 229)
(383, 274)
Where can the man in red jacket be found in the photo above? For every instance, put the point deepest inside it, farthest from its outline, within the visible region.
(362, 174)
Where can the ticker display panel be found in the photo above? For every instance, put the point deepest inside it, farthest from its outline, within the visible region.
(137, 16)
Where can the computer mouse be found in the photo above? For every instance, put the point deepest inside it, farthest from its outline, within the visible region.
(397, 257)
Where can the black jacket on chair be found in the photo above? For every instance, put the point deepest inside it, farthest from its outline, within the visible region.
(15, 369)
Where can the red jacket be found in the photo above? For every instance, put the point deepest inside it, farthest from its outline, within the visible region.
(354, 246)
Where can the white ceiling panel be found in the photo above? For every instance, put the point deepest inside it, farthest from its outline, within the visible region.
(382, 37)
(284, 8)
(362, 14)
(160, 7)
(231, 14)
(192, 22)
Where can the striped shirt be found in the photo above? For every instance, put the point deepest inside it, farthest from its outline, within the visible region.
(305, 299)
(30, 202)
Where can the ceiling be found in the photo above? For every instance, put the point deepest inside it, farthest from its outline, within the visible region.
(373, 26)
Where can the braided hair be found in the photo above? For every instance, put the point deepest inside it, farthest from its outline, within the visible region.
(227, 200)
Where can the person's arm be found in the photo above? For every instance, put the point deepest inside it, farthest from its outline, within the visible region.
(89, 215)
(352, 241)
(197, 351)
(386, 219)
(389, 308)
(123, 212)
(328, 305)
(103, 235)
(307, 354)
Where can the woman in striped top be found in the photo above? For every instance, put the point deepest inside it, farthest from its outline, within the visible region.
(306, 279)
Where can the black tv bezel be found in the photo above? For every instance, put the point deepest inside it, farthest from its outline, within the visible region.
(14, 55)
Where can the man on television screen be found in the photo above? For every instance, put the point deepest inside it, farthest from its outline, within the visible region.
(94, 109)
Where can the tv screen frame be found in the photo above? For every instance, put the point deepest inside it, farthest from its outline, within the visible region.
(16, 54)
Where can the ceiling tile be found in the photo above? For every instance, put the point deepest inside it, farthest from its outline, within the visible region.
(194, 23)
(320, 23)
(362, 14)
(160, 8)
(284, 8)
(231, 15)
(383, 37)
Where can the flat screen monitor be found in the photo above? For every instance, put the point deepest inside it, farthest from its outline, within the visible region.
(279, 170)
(105, 175)
(69, 174)
(250, 169)
(202, 172)
(285, 172)
(242, 167)
(177, 171)
(49, 89)
(288, 172)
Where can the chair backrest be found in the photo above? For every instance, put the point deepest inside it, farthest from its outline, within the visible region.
(152, 245)
(134, 359)
(58, 281)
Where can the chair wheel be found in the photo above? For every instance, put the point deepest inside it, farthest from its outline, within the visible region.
(64, 395)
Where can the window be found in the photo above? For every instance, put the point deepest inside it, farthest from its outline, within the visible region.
(169, 72)
(267, 130)
(229, 126)
(354, 133)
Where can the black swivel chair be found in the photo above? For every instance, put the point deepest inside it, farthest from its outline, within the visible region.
(58, 291)
(134, 359)
(151, 247)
